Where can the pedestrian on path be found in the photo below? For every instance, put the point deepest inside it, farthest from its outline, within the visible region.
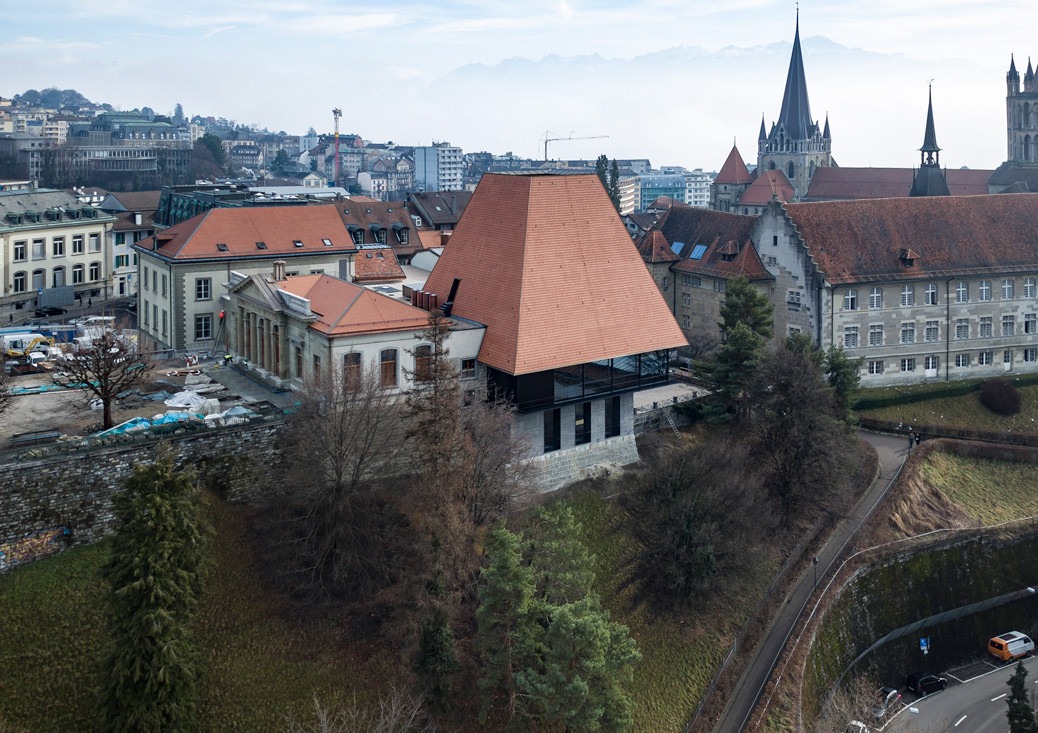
(911, 439)
(918, 437)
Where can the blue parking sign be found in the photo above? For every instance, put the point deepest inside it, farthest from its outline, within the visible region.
(924, 644)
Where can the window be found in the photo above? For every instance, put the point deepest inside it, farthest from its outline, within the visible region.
(962, 360)
(719, 286)
(686, 279)
(697, 282)
(665, 285)
(58, 277)
(686, 299)
(352, 370)
(930, 363)
(850, 337)
(875, 335)
(908, 365)
(1007, 289)
(552, 430)
(933, 331)
(77, 244)
(19, 282)
(57, 247)
(876, 298)
(984, 358)
(962, 328)
(387, 368)
(1008, 325)
(1030, 322)
(962, 292)
(1007, 358)
(686, 322)
(907, 296)
(850, 300)
(203, 326)
(39, 279)
(908, 333)
(358, 236)
(155, 280)
(120, 238)
(38, 252)
(122, 261)
(582, 423)
(1029, 290)
(985, 290)
(203, 288)
(165, 322)
(77, 275)
(95, 242)
(875, 367)
(985, 327)
(423, 363)
(317, 369)
(1030, 354)
(20, 251)
(931, 294)
(793, 297)
(612, 417)
(95, 271)
(164, 282)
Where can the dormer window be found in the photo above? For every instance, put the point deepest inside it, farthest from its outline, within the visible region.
(221, 246)
(356, 233)
(908, 257)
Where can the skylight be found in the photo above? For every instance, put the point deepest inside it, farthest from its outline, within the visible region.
(327, 242)
(676, 247)
(221, 246)
(297, 243)
(261, 245)
(697, 252)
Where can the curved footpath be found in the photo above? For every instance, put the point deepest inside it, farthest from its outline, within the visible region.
(892, 451)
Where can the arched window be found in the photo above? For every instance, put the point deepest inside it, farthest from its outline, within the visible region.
(387, 368)
(423, 363)
(1027, 148)
(19, 282)
(351, 370)
(77, 274)
(771, 165)
(789, 171)
(59, 277)
(39, 279)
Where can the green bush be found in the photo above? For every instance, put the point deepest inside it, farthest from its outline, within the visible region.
(1001, 397)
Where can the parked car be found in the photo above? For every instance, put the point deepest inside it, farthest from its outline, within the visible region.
(1010, 646)
(925, 684)
(887, 700)
(49, 310)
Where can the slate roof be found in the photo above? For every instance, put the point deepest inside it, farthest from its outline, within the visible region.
(389, 215)
(862, 241)
(767, 185)
(795, 114)
(439, 208)
(734, 170)
(723, 235)
(546, 264)
(345, 309)
(239, 229)
(142, 201)
(834, 184)
(1019, 177)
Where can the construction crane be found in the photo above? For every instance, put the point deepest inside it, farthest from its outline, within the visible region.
(336, 113)
(549, 139)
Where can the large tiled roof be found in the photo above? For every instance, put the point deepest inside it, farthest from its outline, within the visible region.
(654, 248)
(389, 215)
(767, 185)
(1019, 177)
(344, 309)
(729, 251)
(734, 170)
(861, 241)
(441, 207)
(233, 233)
(832, 184)
(546, 264)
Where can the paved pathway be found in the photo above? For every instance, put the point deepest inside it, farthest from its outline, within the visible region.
(892, 451)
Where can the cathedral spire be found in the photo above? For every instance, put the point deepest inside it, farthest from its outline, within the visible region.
(795, 115)
(930, 151)
(825, 133)
(763, 135)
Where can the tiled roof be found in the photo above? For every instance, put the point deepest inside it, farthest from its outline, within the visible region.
(734, 170)
(832, 184)
(546, 264)
(344, 309)
(691, 225)
(767, 185)
(1017, 176)
(861, 241)
(233, 233)
(389, 215)
(138, 200)
(376, 263)
(440, 207)
(654, 247)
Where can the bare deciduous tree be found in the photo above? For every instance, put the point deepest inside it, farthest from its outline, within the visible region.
(494, 478)
(398, 712)
(106, 367)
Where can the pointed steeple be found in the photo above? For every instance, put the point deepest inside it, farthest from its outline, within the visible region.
(930, 151)
(929, 180)
(763, 135)
(825, 133)
(795, 115)
(1012, 66)
(1030, 72)
(1012, 77)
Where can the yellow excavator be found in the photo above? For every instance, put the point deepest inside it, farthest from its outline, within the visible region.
(18, 346)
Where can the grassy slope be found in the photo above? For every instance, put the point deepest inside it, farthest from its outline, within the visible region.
(991, 491)
(962, 412)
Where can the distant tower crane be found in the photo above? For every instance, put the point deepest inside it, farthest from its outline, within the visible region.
(337, 113)
(549, 139)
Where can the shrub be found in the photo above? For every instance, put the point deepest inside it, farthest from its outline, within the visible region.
(999, 396)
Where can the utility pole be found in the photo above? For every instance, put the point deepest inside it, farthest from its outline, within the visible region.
(337, 113)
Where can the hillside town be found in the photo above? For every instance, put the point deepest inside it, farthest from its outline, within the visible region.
(591, 301)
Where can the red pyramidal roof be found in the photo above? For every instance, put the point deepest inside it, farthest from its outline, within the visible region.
(734, 170)
(546, 264)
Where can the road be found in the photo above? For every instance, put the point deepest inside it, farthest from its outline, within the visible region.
(977, 705)
(892, 452)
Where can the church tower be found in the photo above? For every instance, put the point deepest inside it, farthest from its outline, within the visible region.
(929, 180)
(1022, 115)
(795, 145)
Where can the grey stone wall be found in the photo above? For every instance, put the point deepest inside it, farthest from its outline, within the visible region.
(74, 490)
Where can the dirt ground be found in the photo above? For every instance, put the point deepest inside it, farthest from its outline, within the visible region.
(69, 410)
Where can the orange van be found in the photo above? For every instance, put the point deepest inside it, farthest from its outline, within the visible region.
(1010, 646)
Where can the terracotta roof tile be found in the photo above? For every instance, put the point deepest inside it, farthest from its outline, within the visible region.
(728, 251)
(654, 247)
(767, 185)
(831, 183)
(344, 309)
(861, 241)
(734, 170)
(546, 264)
(377, 264)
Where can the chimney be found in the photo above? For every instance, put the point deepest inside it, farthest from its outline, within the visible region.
(279, 270)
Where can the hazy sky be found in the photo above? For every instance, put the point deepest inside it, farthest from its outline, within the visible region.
(285, 64)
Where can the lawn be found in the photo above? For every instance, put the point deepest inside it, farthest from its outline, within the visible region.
(991, 491)
(960, 412)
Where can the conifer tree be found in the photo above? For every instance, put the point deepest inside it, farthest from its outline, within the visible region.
(1020, 714)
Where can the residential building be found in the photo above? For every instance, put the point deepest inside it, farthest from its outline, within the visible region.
(134, 220)
(652, 186)
(52, 250)
(697, 188)
(182, 270)
(438, 167)
(536, 259)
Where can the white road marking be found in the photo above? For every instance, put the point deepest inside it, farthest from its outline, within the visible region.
(959, 721)
(999, 697)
